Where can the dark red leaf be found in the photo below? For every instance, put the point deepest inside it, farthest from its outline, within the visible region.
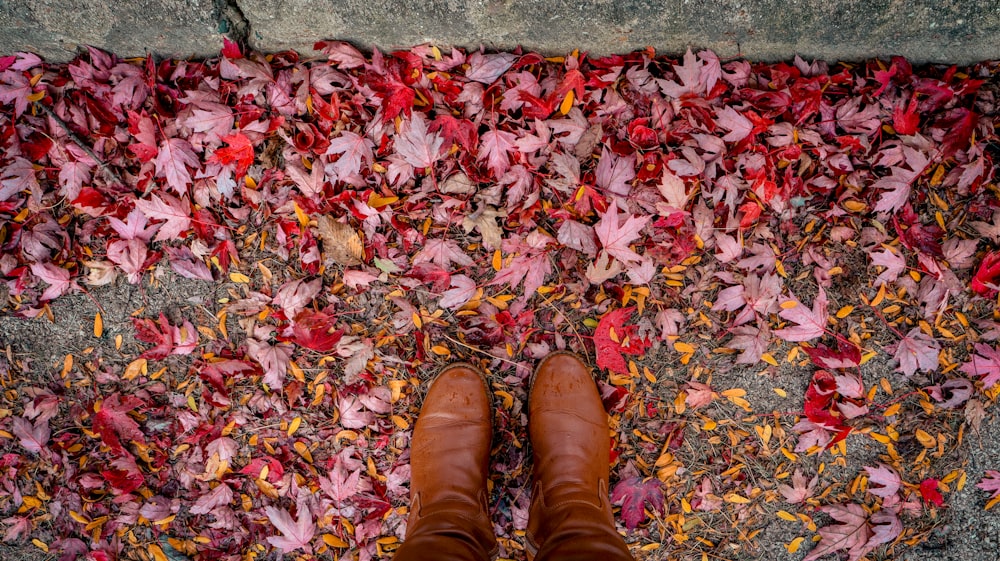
(635, 494)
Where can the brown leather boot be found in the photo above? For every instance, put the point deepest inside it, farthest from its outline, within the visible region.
(570, 515)
(449, 461)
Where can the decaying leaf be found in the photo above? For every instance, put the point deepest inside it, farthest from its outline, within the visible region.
(341, 244)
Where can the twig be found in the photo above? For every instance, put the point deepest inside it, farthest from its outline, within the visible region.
(474, 349)
(79, 142)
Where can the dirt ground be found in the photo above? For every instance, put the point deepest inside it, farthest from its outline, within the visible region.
(962, 531)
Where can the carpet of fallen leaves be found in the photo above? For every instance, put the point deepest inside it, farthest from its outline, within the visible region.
(374, 217)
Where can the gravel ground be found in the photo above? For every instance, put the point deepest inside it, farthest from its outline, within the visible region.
(963, 531)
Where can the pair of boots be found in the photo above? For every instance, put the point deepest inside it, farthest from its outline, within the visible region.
(570, 515)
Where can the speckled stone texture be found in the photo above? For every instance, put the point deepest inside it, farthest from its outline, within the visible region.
(955, 31)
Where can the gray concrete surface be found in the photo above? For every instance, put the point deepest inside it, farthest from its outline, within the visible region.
(960, 31)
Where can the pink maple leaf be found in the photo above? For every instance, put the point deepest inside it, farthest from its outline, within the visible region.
(689, 74)
(529, 269)
(494, 147)
(894, 265)
(917, 351)
(442, 252)
(886, 478)
(57, 277)
(352, 149)
(614, 172)
(295, 295)
(990, 483)
(130, 255)
(852, 534)
(134, 227)
(896, 187)
(176, 212)
(634, 494)
(351, 414)
(221, 496)
(15, 89)
(342, 483)
(33, 437)
(296, 534)
(16, 177)
(416, 145)
(273, 358)
(739, 127)
(462, 290)
(184, 262)
(984, 364)
(800, 489)
(616, 236)
(810, 324)
(698, 394)
(172, 162)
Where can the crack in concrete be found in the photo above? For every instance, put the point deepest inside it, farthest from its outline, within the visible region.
(232, 21)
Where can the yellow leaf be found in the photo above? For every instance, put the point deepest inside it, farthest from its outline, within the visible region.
(134, 368)
(925, 439)
(737, 499)
(303, 451)
(79, 517)
(567, 103)
(333, 541)
(892, 410)
(302, 216)
(497, 260)
(878, 297)
(788, 304)
(794, 545)
(239, 277)
(993, 502)
(766, 357)
(294, 426)
(780, 392)
(376, 201)
(683, 347)
(40, 544)
(98, 325)
(440, 350)
(735, 392)
(854, 206)
(785, 515)
(156, 553)
(844, 312)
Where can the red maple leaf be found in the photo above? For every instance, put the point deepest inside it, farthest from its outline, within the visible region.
(125, 477)
(112, 421)
(313, 330)
(906, 121)
(613, 339)
(929, 492)
(635, 493)
(239, 152)
(168, 339)
(987, 277)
